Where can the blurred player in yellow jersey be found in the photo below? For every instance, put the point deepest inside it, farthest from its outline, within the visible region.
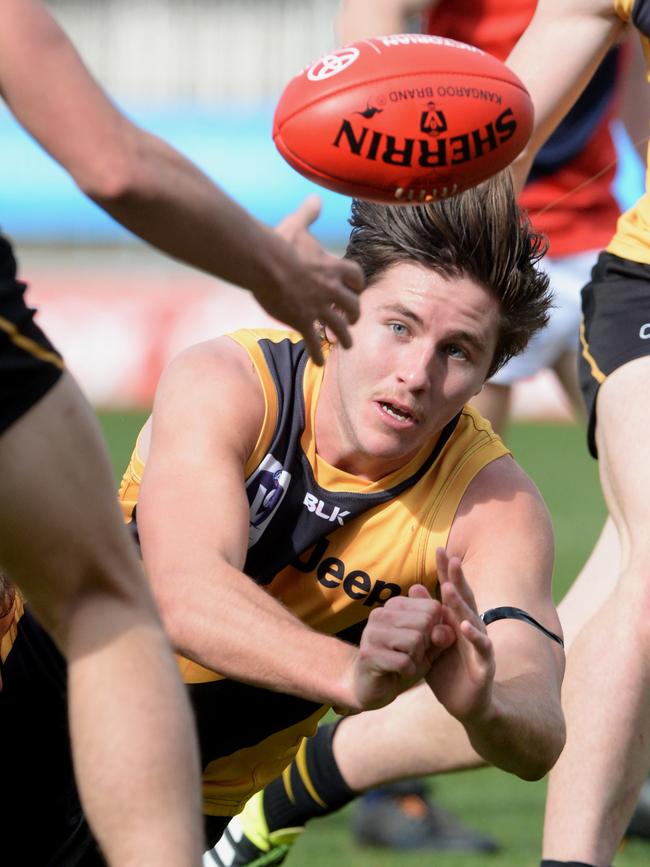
(61, 537)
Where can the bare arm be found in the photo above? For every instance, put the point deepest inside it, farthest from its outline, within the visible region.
(360, 19)
(556, 57)
(634, 111)
(193, 521)
(502, 681)
(153, 190)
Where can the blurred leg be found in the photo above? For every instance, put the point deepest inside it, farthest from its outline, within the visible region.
(594, 786)
(63, 541)
(493, 402)
(565, 368)
(596, 581)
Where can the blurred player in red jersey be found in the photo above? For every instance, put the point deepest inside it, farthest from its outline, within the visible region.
(61, 535)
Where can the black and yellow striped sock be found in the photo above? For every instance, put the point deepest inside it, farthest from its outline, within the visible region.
(547, 863)
(311, 786)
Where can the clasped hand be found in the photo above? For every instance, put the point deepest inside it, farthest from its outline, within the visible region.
(414, 637)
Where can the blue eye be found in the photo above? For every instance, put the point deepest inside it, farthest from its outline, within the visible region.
(398, 328)
(456, 352)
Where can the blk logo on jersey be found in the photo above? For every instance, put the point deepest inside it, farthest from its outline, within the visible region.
(322, 510)
(265, 490)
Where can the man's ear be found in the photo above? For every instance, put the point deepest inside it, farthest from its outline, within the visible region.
(327, 333)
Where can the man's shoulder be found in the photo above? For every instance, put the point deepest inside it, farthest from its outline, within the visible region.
(504, 476)
(501, 506)
(215, 381)
(503, 494)
(231, 353)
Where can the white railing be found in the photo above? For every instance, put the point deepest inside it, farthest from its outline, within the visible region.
(209, 51)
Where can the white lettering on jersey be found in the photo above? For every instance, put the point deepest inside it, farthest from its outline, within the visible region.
(319, 508)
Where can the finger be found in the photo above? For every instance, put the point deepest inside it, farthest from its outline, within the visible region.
(338, 325)
(344, 301)
(352, 275)
(388, 661)
(457, 577)
(413, 642)
(412, 608)
(313, 344)
(452, 598)
(304, 215)
(442, 637)
(422, 615)
(308, 211)
(419, 591)
(448, 614)
(480, 640)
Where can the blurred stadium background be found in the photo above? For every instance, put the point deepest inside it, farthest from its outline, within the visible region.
(205, 75)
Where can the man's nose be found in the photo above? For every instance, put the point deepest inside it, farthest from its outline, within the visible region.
(415, 371)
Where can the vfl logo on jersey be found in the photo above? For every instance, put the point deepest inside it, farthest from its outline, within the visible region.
(265, 489)
(318, 507)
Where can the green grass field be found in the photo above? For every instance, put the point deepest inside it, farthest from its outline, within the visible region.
(508, 809)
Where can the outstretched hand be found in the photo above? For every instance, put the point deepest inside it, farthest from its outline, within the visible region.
(317, 287)
(396, 648)
(462, 672)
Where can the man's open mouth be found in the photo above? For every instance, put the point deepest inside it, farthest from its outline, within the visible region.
(396, 412)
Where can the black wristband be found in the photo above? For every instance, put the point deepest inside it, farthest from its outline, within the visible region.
(506, 612)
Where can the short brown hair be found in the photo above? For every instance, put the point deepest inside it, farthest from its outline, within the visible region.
(482, 234)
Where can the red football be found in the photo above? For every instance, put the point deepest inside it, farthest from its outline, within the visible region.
(406, 118)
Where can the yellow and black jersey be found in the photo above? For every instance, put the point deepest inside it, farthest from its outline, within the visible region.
(329, 545)
(632, 237)
(29, 364)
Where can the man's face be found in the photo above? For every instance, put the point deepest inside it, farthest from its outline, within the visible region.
(421, 349)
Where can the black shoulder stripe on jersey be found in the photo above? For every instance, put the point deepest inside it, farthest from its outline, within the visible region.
(641, 16)
(505, 612)
(351, 501)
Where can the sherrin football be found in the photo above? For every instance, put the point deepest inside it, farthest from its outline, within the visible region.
(403, 119)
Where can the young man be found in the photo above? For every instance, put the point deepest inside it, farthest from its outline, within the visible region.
(61, 537)
(286, 513)
(425, 342)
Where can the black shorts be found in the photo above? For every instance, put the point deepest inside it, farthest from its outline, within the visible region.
(39, 804)
(615, 326)
(29, 364)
